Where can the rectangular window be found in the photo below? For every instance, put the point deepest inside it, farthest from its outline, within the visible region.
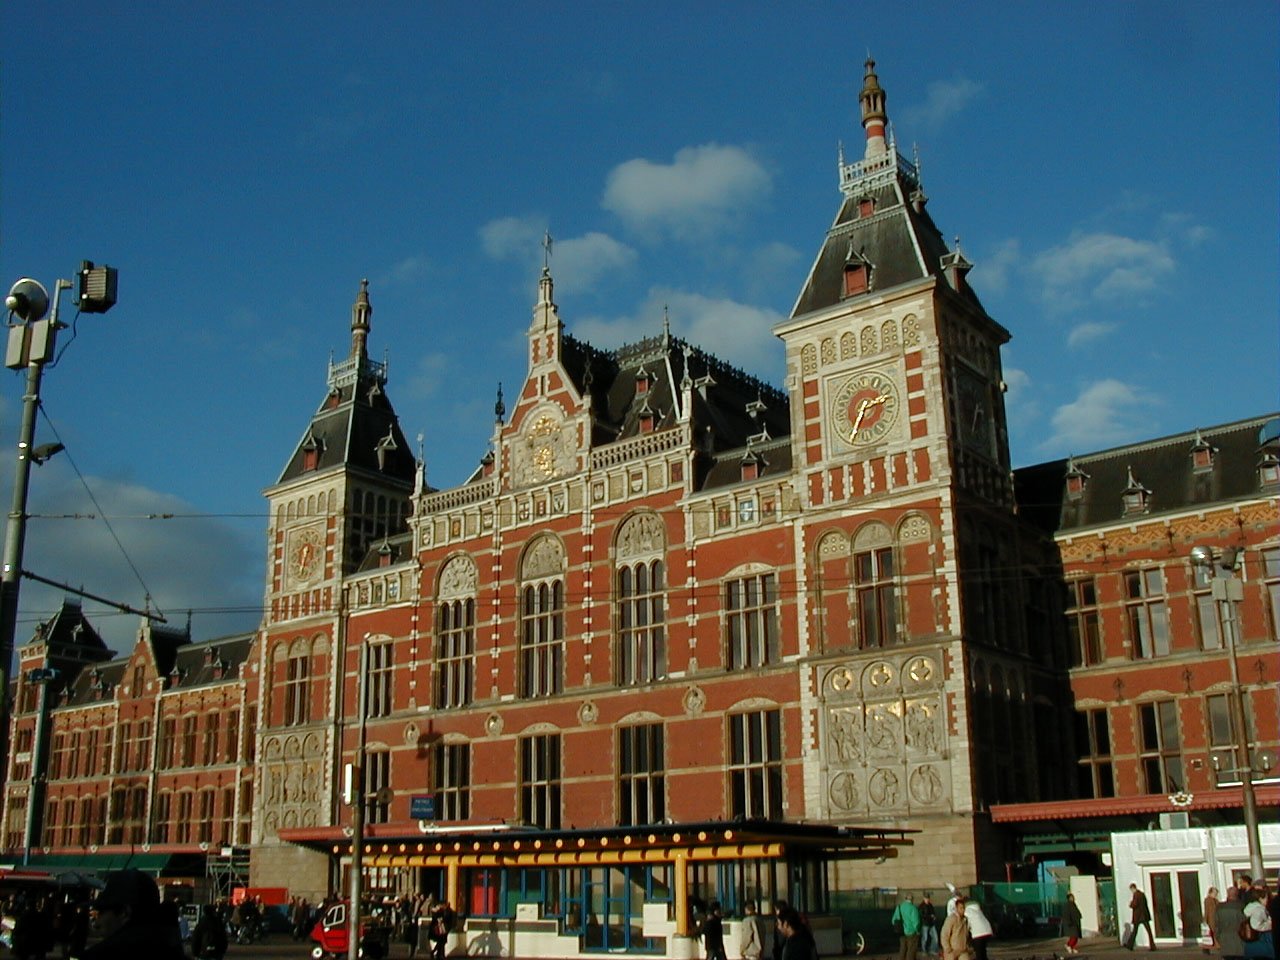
(755, 765)
(1082, 623)
(297, 703)
(1271, 574)
(90, 765)
(1208, 613)
(453, 781)
(542, 639)
(1147, 616)
(186, 817)
(540, 781)
(1161, 747)
(1095, 774)
(231, 738)
(168, 742)
(227, 822)
(1223, 750)
(205, 834)
(160, 826)
(125, 756)
(751, 619)
(378, 696)
(377, 778)
(642, 637)
(142, 753)
(189, 741)
(641, 775)
(875, 597)
(455, 653)
(209, 749)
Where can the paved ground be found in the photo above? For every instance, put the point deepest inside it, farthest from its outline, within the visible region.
(279, 947)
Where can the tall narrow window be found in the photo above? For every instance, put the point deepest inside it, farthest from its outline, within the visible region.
(540, 781)
(642, 642)
(205, 833)
(875, 597)
(297, 703)
(641, 775)
(168, 742)
(377, 778)
(142, 747)
(542, 639)
(751, 621)
(378, 700)
(231, 738)
(188, 747)
(1223, 755)
(455, 652)
(1082, 622)
(640, 613)
(1095, 775)
(755, 765)
(1161, 747)
(1271, 573)
(1148, 619)
(186, 817)
(125, 755)
(209, 747)
(1208, 613)
(452, 770)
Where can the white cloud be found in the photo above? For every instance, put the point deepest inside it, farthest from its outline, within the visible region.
(700, 190)
(1102, 266)
(737, 333)
(209, 565)
(406, 270)
(1088, 332)
(991, 273)
(945, 99)
(577, 263)
(1104, 413)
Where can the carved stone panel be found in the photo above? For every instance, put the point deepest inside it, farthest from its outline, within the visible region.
(293, 774)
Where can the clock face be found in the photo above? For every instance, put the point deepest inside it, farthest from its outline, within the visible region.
(306, 553)
(975, 413)
(864, 408)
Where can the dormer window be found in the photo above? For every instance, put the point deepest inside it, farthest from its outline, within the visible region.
(857, 273)
(752, 465)
(386, 444)
(866, 207)
(1136, 497)
(1269, 468)
(643, 382)
(385, 554)
(1077, 479)
(1203, 454)
(648, 419)
(486, 464)
(312, 447)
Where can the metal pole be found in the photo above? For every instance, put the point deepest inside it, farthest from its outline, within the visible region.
(14, 538)
(357, 809)
(1229, 591)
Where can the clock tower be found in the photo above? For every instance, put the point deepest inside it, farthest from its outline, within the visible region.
(346, 486)
(900, 452)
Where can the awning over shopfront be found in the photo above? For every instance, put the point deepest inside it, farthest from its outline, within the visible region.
(158, 864)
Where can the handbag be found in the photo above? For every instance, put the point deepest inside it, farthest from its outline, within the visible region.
(897, 925)
(1246, 931)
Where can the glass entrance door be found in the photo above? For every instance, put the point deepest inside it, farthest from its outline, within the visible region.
(1175, 904)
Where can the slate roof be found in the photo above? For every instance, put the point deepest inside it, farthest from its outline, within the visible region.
(1164, 467)
(901, 242)
(724, 398)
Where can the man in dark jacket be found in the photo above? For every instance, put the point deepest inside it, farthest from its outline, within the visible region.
(127, 915)
(1226, 925)
(1141, 917)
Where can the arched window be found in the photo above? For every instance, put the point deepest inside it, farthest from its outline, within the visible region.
(455, 634)
(542, 619)
(875, 593)
(641, 601)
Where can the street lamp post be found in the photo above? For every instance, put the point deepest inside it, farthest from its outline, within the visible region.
(31, 345)
(1228, 593)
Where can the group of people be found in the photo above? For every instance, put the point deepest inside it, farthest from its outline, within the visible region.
(792, 938)
(965, 929)
(1242, 924)
(42, 925)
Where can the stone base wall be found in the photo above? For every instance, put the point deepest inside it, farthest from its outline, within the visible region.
(944, 850)
(305, 873)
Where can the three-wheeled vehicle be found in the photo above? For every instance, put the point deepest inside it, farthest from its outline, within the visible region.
(332, 935)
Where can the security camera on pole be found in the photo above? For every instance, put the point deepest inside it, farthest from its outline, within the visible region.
(31, 342)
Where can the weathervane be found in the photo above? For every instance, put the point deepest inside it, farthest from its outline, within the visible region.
(546, 250)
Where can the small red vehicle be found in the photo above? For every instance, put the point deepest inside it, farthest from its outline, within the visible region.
(332, 935)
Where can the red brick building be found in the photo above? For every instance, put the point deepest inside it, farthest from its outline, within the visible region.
(682, 633)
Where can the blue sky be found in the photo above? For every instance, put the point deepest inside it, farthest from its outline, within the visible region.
(1111, 169)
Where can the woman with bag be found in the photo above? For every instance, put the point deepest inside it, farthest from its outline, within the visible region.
(1255, 929)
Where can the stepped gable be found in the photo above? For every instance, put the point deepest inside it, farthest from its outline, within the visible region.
(355, 425)
(882, 220)
(1166, 468)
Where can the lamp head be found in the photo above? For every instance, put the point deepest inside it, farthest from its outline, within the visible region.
(1202, 556)
(28, 299)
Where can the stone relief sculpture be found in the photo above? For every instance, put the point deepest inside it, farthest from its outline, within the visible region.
(292, 772)
(846, 735)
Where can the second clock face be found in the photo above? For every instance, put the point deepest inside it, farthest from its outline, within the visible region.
(306, 553)
(864, 407)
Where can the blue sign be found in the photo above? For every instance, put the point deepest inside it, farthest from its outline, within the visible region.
(422, 807)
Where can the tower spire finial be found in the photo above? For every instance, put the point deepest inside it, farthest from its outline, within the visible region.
(361, 312)
(874, 118)
(545, 287)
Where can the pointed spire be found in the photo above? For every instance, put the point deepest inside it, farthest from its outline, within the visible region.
(874, 118)
(499, 408)
(361, 312)
(545, 285)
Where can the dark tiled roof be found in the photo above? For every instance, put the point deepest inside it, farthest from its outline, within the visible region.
(354, 420)
(1164, 467)
(902, 244)
(722, 395)
(211, 661)
(399, 549)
